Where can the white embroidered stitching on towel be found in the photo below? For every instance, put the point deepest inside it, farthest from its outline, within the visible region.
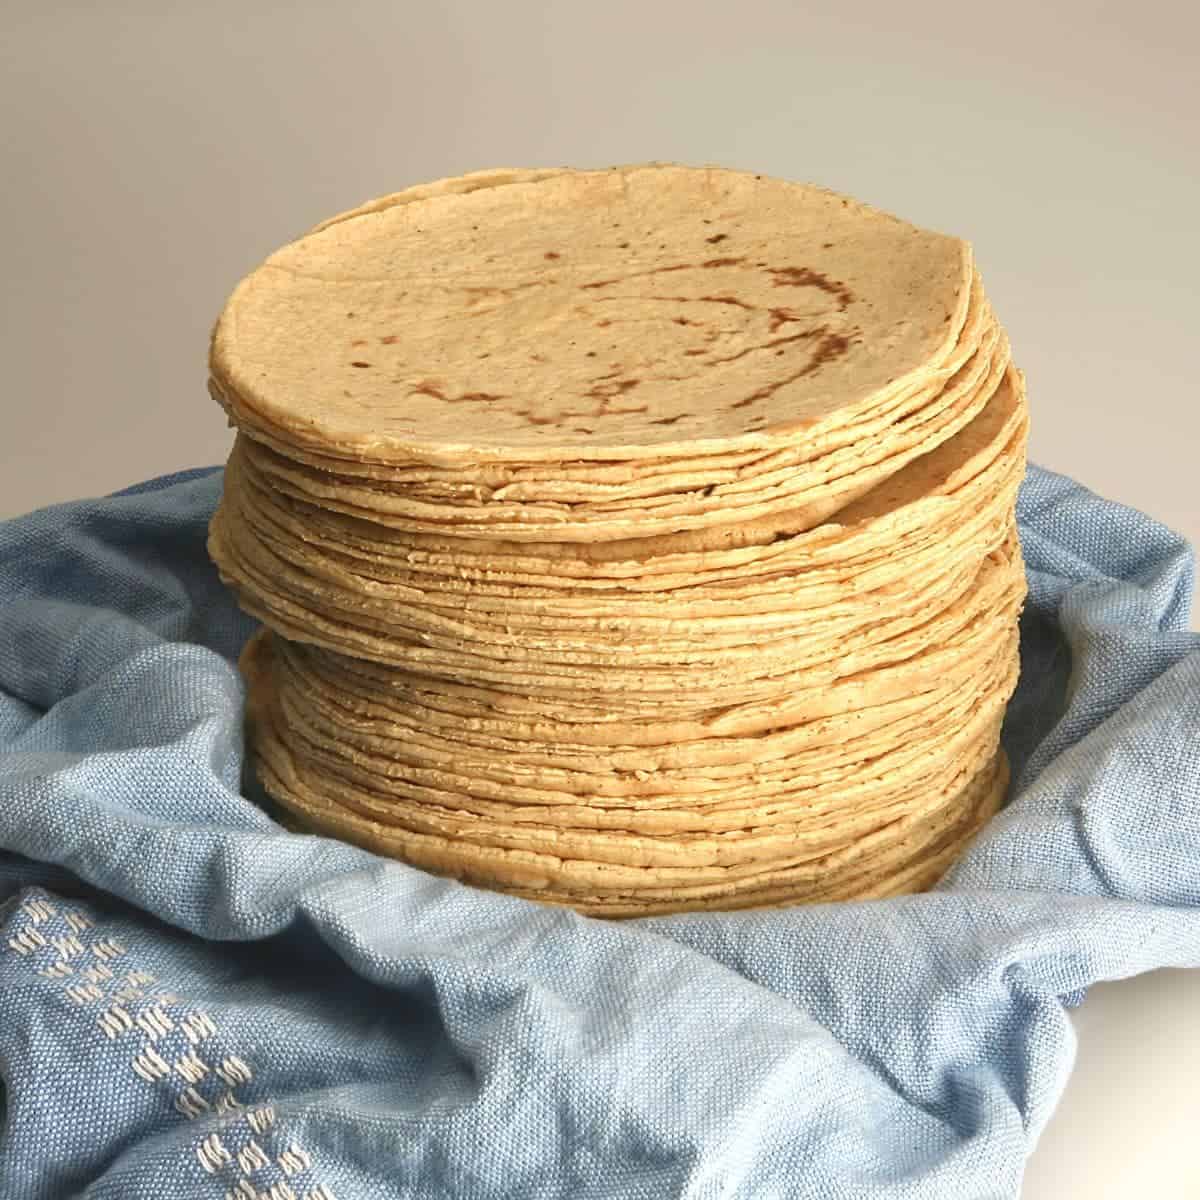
(174, 1046)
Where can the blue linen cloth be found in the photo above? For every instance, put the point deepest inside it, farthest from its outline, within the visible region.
(196, 1003)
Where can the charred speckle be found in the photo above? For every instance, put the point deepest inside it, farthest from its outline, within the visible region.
(693, 353)
(667, 420)
(359, 363)
(591, 354)
(600, 283)
(603, 324)
(722, 262)
(780, 316)
(550, 254)
(430, 387)
(728, 300)
(803, 336)
(806, 277)
(622, 245)
(831, 346)
(826, 245)
(716, 237)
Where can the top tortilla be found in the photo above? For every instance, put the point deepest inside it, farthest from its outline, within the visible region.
(631, 313)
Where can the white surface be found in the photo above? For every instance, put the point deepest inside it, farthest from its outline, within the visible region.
(1126, 1126)
(156, 150)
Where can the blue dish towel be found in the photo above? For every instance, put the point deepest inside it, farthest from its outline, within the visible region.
(196, 1003)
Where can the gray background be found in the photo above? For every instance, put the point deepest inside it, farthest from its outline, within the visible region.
(154, 152)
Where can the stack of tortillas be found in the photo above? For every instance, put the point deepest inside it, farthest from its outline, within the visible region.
(639, 540)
